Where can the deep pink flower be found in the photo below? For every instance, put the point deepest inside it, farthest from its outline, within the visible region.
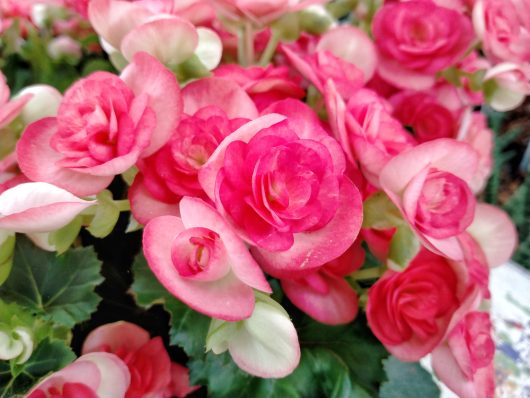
(464, 362)
(418, 39)
(280, 181)
(104, 125)
(213, 109)
(410, 311)
(265, 85)
(324, 294)
(152, 373)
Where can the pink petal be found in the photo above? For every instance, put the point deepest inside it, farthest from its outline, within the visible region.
(115, 376)
(227, 298)
(37, 160)
(339, 305)
(196, 213)
(352, 45)
(38, 207)
(180, 381)
(9, 111)
(146, 75)
(303, 67)
(313, 249)
(394, 73)
(145, 207)
(223, 93)
(117, 335)
(208, 172)
(494, 231)
(113, 19)
(171, 40)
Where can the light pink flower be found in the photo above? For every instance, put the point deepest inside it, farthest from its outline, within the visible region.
(366, 130)
(430, 185)
(324, 294)
(201, 261)
(504, 27)
(95, 375)
(507, 85)
(410, 311)
(280, 181)
(38, 207)
(418, 39)
(9, 110)
(464, 362)
(151, 370)
(104, 125)
(213, 109)
(265, 85)
(260, 12)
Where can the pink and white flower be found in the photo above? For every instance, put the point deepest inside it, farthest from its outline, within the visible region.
(104, 125)
(201, 261)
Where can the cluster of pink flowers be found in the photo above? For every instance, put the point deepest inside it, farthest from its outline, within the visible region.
(238, 180)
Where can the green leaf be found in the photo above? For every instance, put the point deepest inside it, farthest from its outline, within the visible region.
(48, 357)
(107, 214)
(380, 213)
(407, 380)
(354, 344)
(63, 238)
(58, 288)
(188, 327)
(403, 248)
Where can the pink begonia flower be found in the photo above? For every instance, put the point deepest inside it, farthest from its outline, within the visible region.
(104, 125)
(280, 181)
(264, 345)
(44, 102)
(38, 207)
(132, 27)
(457, 5)
(507, 85)
(260, 12)
(481, 139)
(418, 39)
(324, 294)
(366, 130)
(428, 118)
(323, 65)
(464, 361)
(430, 185)
(504, 27)
(494, 232)
(79, 6)
(352, 45)
(152, 373)
(213, 109)
(410, 311)
(95, 375)
(9, 110)
(201, 261)
(265, 85)
(378, 241)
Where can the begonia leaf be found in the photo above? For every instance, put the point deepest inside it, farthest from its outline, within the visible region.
(407, 380)
(57, 288)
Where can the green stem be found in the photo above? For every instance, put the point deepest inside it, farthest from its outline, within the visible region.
(123, 205)
(368, 273)
(270, 49)
(245, 53)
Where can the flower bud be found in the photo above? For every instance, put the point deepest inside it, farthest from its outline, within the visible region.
(16, 344)
(44, 103)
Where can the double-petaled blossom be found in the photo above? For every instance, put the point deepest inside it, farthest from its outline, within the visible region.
(95, 375)
(200, 260)
(213, 109)
(152, 372)
(430, 185)
(280, 181)
(104, 124)
(418, 39)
